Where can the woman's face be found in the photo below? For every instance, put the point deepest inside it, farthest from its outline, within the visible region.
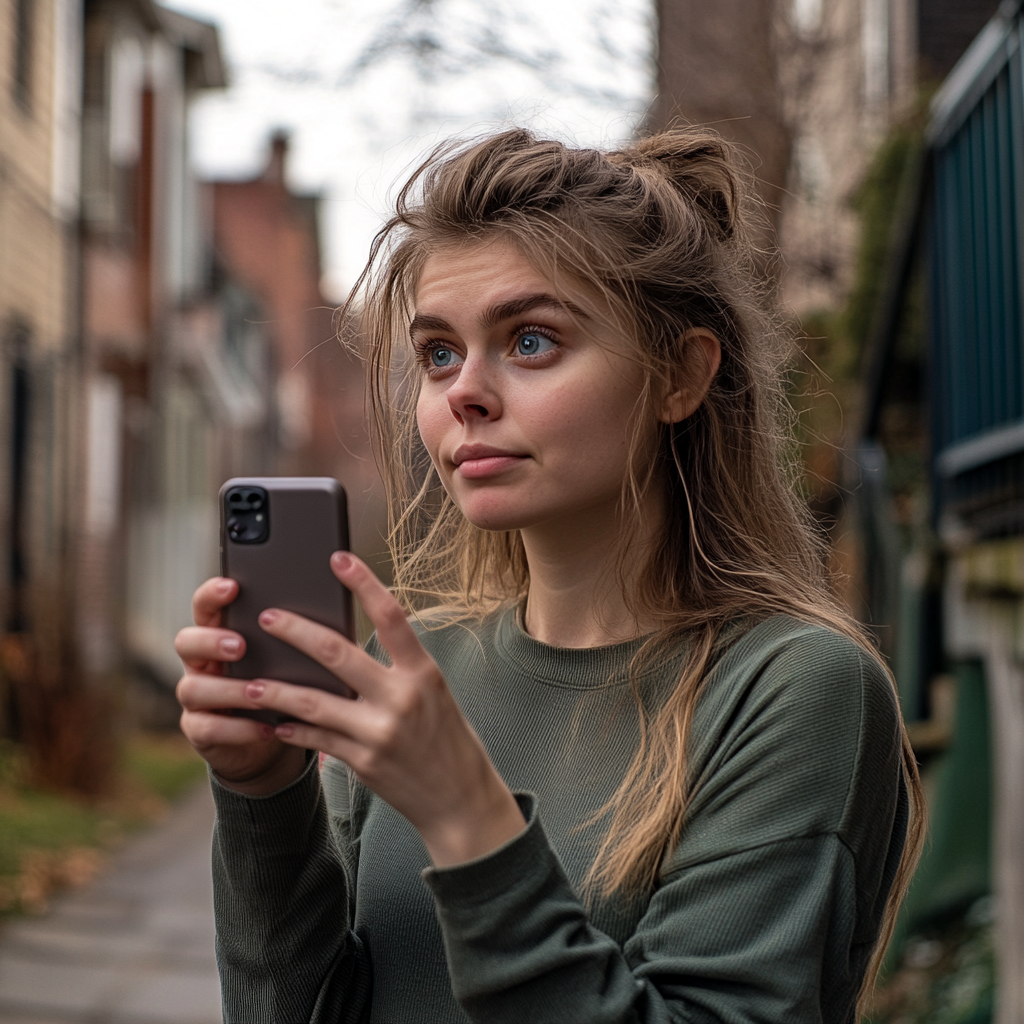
(527, 398)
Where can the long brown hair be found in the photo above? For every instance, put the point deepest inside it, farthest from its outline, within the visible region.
(664, 232)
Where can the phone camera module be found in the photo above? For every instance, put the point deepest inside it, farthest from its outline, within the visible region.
(247, 518)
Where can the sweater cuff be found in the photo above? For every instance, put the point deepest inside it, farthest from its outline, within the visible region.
(273, 812)
(483, 878)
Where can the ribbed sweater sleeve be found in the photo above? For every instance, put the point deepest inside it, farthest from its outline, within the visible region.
(281, 900)
(711, 948)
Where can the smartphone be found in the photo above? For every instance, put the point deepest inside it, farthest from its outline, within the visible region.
(277, 536)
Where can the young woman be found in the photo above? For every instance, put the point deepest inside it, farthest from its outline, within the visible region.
(627, 760)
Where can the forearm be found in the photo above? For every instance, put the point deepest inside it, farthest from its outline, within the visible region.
(745, 937)
(520, 947)
(281, 904)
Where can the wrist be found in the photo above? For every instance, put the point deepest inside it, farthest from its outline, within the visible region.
(474, 832)
(284, 770)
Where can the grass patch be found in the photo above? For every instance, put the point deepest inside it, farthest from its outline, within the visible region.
(50, 841)
(165, 765)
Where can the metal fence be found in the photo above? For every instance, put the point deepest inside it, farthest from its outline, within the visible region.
(976, 241)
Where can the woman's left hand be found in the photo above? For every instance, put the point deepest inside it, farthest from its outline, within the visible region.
(406, 739)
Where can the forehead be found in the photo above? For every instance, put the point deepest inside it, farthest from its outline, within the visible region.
(482, 273)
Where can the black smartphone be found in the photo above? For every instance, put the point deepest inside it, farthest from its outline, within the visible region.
(277, 537)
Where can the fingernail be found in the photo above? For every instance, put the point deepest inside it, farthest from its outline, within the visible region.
(284, 730)
(224, 587)
(342, 561)
(230, 646)
(268, 617)
(254, 691)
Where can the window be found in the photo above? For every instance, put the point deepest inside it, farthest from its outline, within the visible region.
(23, 39)
(18, 399)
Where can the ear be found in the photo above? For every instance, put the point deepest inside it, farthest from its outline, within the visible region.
(701, 357)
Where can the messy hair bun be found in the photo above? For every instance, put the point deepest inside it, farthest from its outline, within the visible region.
(701, 166)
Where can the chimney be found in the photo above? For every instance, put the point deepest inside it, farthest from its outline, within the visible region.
(278, 155)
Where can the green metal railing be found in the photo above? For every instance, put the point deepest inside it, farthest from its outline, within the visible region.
(975, 238)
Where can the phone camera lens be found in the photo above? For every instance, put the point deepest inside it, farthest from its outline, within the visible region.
(246, 515)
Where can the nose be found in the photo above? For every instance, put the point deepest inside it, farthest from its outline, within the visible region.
(473, 395)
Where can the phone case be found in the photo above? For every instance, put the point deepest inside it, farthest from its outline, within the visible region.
(305, 522)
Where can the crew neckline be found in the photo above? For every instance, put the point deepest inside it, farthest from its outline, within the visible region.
(577, 668)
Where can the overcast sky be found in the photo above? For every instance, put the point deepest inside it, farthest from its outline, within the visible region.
(578, 70)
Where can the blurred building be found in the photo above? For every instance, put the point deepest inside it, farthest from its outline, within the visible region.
(40, 62)
(168, 392)
(267, 237)
(138, 368)
(158, 335)
(809, 88)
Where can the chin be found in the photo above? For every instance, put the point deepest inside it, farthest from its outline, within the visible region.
(495, 516)
(495, 523)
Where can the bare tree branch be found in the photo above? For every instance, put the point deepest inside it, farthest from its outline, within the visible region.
(439, 43)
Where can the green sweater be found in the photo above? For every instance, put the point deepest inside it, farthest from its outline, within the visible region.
(328, 911)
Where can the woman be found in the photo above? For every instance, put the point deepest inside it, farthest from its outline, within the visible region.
(629, 760)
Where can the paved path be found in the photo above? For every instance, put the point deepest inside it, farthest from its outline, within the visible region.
(134, 947)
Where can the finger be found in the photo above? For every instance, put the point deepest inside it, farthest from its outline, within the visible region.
(387, 615)
(327, 647)
(210, 599)
(198, 646)
(207, 729)
(309, 704)
(313, 737)
(198, 691)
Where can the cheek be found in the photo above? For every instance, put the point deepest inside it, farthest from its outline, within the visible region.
(600, 412)
(432, 417)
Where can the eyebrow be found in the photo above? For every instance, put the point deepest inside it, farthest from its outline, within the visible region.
(500, 311)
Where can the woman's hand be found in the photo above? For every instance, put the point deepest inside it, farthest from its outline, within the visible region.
(406, 739)
(245, 754)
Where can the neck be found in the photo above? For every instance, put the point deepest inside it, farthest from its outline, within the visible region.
(577, 594)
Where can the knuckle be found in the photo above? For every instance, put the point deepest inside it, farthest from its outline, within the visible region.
(363, 763)
(187, 724)
(433, 680)
(408, 702)
(197, 728)
(389, 737)
(392, 614)
(307, 702)
(184, 691)
(185, 642)
(330, 649)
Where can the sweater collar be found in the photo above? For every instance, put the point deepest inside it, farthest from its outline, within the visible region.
(580, 668)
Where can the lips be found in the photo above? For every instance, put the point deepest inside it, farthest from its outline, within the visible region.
(474, 461)
(474, 452)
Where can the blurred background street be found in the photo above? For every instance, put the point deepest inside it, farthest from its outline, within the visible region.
(187, 192)
(135, 947)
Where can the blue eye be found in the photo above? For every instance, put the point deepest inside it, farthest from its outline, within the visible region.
(441, 357)
(531, 343)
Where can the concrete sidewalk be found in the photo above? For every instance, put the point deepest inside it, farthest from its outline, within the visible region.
(134, 947)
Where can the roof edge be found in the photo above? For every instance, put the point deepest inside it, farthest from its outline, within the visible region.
(201, 38)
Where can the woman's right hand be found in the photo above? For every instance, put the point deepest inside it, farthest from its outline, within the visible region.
(243, 753)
